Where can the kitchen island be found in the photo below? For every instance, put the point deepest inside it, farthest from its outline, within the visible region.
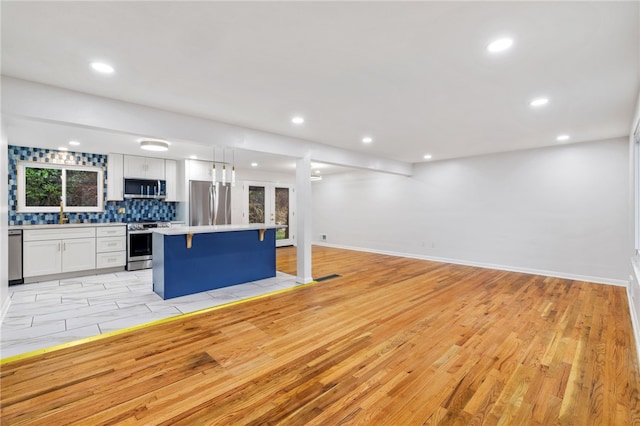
(193, 259)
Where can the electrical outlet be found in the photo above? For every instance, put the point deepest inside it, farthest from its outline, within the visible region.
(122, 210)
(324, 237)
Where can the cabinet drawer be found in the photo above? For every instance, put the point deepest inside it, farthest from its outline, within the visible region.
(109, 260)
(111, 231)
(105, 245)
(58, 233)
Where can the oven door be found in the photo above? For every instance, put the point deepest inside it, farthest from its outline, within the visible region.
(139, 245)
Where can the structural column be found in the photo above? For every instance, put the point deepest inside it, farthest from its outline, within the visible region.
(303, 215)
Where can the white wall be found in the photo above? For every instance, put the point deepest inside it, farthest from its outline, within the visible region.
(4, 220)
(633, 292)
(559, 211)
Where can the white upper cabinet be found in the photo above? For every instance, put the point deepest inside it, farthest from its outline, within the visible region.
(115, 176)
(199, 170)
(143, 167)
(171, 174)
(121, 166)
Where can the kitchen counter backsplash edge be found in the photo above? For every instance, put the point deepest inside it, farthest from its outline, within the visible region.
(68, 225)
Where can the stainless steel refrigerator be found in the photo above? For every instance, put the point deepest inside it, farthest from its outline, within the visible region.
(209, 204)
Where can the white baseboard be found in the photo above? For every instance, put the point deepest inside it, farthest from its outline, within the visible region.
(635, 320)
(597, 280)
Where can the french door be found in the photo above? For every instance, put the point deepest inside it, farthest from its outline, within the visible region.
(272, 204)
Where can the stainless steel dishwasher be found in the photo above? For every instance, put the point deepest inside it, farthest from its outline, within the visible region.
(15, 257)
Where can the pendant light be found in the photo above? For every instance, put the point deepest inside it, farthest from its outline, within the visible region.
(213, 167)
(233, 169)
(224, 168)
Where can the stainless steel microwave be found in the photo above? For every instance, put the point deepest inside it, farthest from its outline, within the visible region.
(145, 188)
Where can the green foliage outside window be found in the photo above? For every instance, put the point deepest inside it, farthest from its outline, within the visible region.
(82, 188)
(43, 187)
(256, 204)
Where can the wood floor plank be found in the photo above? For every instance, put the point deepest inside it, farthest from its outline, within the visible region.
(391, 341)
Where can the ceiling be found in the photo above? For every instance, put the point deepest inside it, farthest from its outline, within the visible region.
(414, 76)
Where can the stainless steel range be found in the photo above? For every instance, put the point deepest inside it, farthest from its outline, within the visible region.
(140, 245)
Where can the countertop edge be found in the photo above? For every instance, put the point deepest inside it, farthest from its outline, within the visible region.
(183, 230)
(67, 225)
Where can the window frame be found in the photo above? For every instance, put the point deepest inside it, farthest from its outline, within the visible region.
(21, 190)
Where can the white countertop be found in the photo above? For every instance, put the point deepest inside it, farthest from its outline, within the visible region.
(67, 225)
(183, 230)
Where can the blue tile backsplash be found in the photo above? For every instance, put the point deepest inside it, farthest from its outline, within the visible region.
(136, 210)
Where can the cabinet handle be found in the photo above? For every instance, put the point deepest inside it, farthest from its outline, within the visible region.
(59, 246)
(64, 246)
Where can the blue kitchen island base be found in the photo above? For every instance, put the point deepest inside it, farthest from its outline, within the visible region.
(216, 259)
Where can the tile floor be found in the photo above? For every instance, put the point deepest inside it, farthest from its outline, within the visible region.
(54, 312)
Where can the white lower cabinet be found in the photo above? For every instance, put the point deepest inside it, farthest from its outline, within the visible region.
(42, 258)
(110, 260)
(111, 247)
(57, 256)
(78, 254)
(73, 249)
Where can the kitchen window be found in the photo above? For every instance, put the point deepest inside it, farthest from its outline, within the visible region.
(42, 187)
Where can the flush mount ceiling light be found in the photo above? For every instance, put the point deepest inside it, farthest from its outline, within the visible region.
(254, 164)
(297, 120)
(561, 138)
(367, 139)
(193, 157)
(74, 143)
(539, 102)
(102, 67)
(500, 45)
(428, 157)
(316, 178)
(154, 145)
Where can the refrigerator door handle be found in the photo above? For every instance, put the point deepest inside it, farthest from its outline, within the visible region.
(226, 203)
(211, 214)
(214, 201)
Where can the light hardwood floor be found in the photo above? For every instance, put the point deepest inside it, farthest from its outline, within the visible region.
(393, 341)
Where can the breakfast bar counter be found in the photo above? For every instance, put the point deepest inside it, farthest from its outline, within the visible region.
(193, 259)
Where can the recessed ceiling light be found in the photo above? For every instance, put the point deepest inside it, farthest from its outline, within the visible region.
(154, 145)
(500, 45)
(63, 148)
(317, 172)
(74, 143)
(102, 67)
(367, 140)
(428, 157)
(561, 138)
(297, 120)
(193, 157)
(539, 102)
(254, 164)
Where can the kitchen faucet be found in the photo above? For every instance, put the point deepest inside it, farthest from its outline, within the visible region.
(62, 218)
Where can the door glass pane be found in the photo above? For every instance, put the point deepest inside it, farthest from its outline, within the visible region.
(43, 187)
(82, 188)
(256, 204)
(282, 213)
